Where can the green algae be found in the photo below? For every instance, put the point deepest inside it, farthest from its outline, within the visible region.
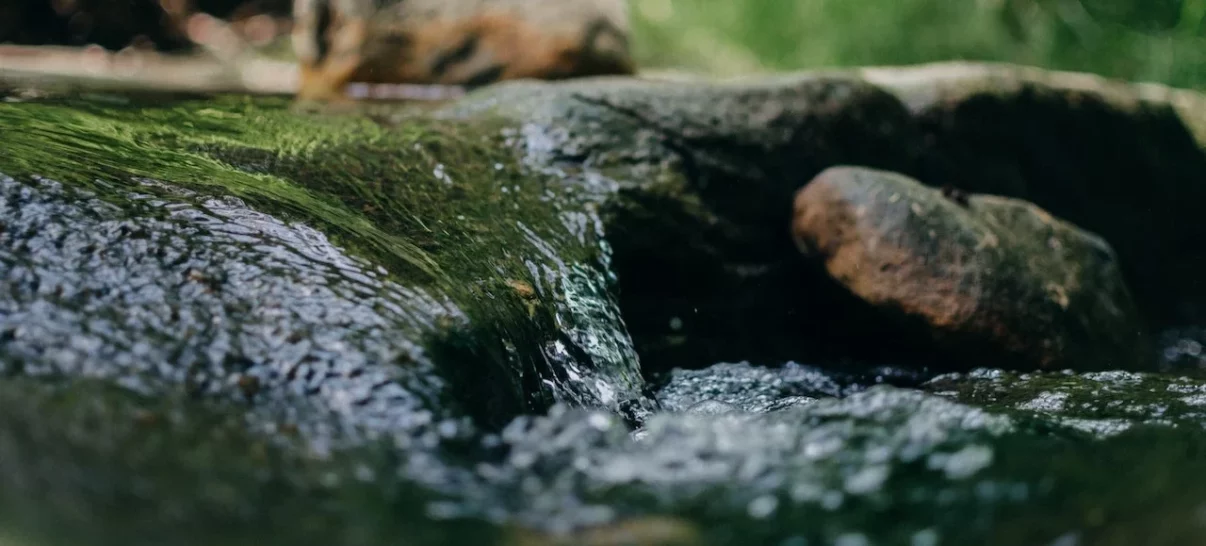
(204, 146)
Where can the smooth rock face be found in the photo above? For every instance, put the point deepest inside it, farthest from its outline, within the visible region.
(996, 281)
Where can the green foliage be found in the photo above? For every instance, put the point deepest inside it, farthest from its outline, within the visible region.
(1146, 40)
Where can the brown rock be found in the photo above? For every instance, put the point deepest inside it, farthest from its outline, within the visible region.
(996, 281)
(1123, 160)
(457, 42)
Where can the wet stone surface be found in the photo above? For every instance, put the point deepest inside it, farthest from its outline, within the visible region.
(223, 322)
(217, 299)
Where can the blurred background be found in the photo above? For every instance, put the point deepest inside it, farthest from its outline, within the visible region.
(1149, 40)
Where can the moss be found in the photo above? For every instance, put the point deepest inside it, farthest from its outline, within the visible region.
(444, 206)
(390, 191)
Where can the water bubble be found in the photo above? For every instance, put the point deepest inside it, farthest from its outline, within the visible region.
(364, 473)
(832, 500)
(762, 507)
(867, 480)
(925, 537)
(440, 174)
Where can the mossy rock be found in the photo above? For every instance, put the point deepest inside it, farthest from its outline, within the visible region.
(247, 323)
(706, 264)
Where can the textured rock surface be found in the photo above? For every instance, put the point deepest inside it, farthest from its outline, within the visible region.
(261, 255)
(705, 264)
(996, 281)
(1123, 161)
(226, 322)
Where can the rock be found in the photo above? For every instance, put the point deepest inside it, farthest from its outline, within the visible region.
(705, 174)
(241, 320)
(458, 42)
(703, 178)
(997, 281)
(1122, 160)
(216, 259)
